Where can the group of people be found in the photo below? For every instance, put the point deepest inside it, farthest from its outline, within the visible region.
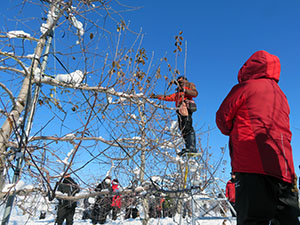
(103, 205)
(255, 115)
(161, 206)
(106, 203)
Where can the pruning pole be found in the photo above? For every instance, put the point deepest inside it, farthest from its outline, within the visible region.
(20, 156)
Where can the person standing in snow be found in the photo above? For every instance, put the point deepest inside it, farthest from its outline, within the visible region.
(116, 201)
(187, 207)
(168, 207)
(255, 115)
(152, 206)
(86, 214)
(183, 98)
(230, 192)
(130, 202)
(102, 206)
(66, 208)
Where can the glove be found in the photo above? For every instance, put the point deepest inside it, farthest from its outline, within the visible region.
(172, 82)
(294, 188)
(153, 96)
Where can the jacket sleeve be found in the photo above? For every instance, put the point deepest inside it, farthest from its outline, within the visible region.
(226, 114)
(169, 98)
(74, 187)
(227, 190)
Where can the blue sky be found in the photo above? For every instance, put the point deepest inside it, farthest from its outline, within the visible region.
(220, 36)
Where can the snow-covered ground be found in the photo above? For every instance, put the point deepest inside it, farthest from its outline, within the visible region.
(201, 207)
(18, 219)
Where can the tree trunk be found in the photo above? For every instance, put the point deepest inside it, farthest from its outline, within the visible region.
(143, 162)
(23, 98)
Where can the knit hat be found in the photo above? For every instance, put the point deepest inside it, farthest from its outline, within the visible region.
(181, 77)
(107, 180)
(116, 181)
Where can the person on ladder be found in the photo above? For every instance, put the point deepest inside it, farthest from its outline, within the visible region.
(183, 98)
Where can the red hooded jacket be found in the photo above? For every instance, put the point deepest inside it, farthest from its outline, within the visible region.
(116, 202)
(255, 115)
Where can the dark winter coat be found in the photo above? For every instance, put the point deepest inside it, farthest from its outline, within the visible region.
(129, 200)
(102, 206)
(70, 187)
(230, 191)
(255, 115)
(103, 199)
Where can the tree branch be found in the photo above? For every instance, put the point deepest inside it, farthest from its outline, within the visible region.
(10, 94)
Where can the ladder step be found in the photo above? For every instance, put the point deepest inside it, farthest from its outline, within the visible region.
(192, 154)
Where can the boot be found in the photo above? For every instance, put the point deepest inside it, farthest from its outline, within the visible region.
(190, 144)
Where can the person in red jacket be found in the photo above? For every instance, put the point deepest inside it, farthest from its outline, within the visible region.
(116, 201)
(230, 192)
(255, 114)
(185, 92)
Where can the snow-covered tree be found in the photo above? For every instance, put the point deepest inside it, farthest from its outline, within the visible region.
(75, 88)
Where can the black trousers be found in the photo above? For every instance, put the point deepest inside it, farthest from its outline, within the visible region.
(115, 211)
(65, 213)
(265, 200)
(100, 212)
(131, 212)
(231, 211)
(185, 124)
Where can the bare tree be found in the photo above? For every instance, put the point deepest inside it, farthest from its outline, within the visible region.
(74, 99)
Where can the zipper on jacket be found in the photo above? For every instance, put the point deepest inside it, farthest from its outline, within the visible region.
(284, 154)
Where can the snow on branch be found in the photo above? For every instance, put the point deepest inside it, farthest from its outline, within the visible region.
(122, 95)
(17, 34)
(52, 18)
(19, 188)
(65, 161)
(77, 24)
(112, 143)
(75, 77)
(25, 190)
